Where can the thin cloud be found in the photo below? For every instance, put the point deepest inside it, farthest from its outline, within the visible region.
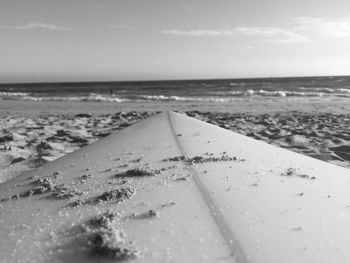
(301, 30)
(130, 27)
(263, 31)
(201, 33)
(324, 28)
(38, 25)
(267, 34)
(273, 35)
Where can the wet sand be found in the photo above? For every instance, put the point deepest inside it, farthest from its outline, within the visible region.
(33, 133)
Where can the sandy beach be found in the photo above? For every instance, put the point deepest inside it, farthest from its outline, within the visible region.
(174, 131)
(34, 133)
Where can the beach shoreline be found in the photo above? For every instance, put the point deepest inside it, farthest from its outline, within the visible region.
(18, 108)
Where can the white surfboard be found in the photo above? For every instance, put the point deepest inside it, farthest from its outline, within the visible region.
(177, 190)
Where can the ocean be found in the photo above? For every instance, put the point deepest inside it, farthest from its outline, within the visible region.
(221, 90)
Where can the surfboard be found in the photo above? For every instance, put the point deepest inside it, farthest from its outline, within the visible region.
(175, 189)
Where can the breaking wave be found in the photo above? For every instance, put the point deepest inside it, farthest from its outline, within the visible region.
(202, 96)
(13, 94)
(179, 98)
(317, 92)
(91, 97)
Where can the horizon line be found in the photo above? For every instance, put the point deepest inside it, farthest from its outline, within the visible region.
(165, 80)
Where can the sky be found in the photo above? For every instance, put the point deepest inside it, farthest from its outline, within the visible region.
(116, 40)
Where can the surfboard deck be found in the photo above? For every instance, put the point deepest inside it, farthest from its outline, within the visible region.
(202, 193)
